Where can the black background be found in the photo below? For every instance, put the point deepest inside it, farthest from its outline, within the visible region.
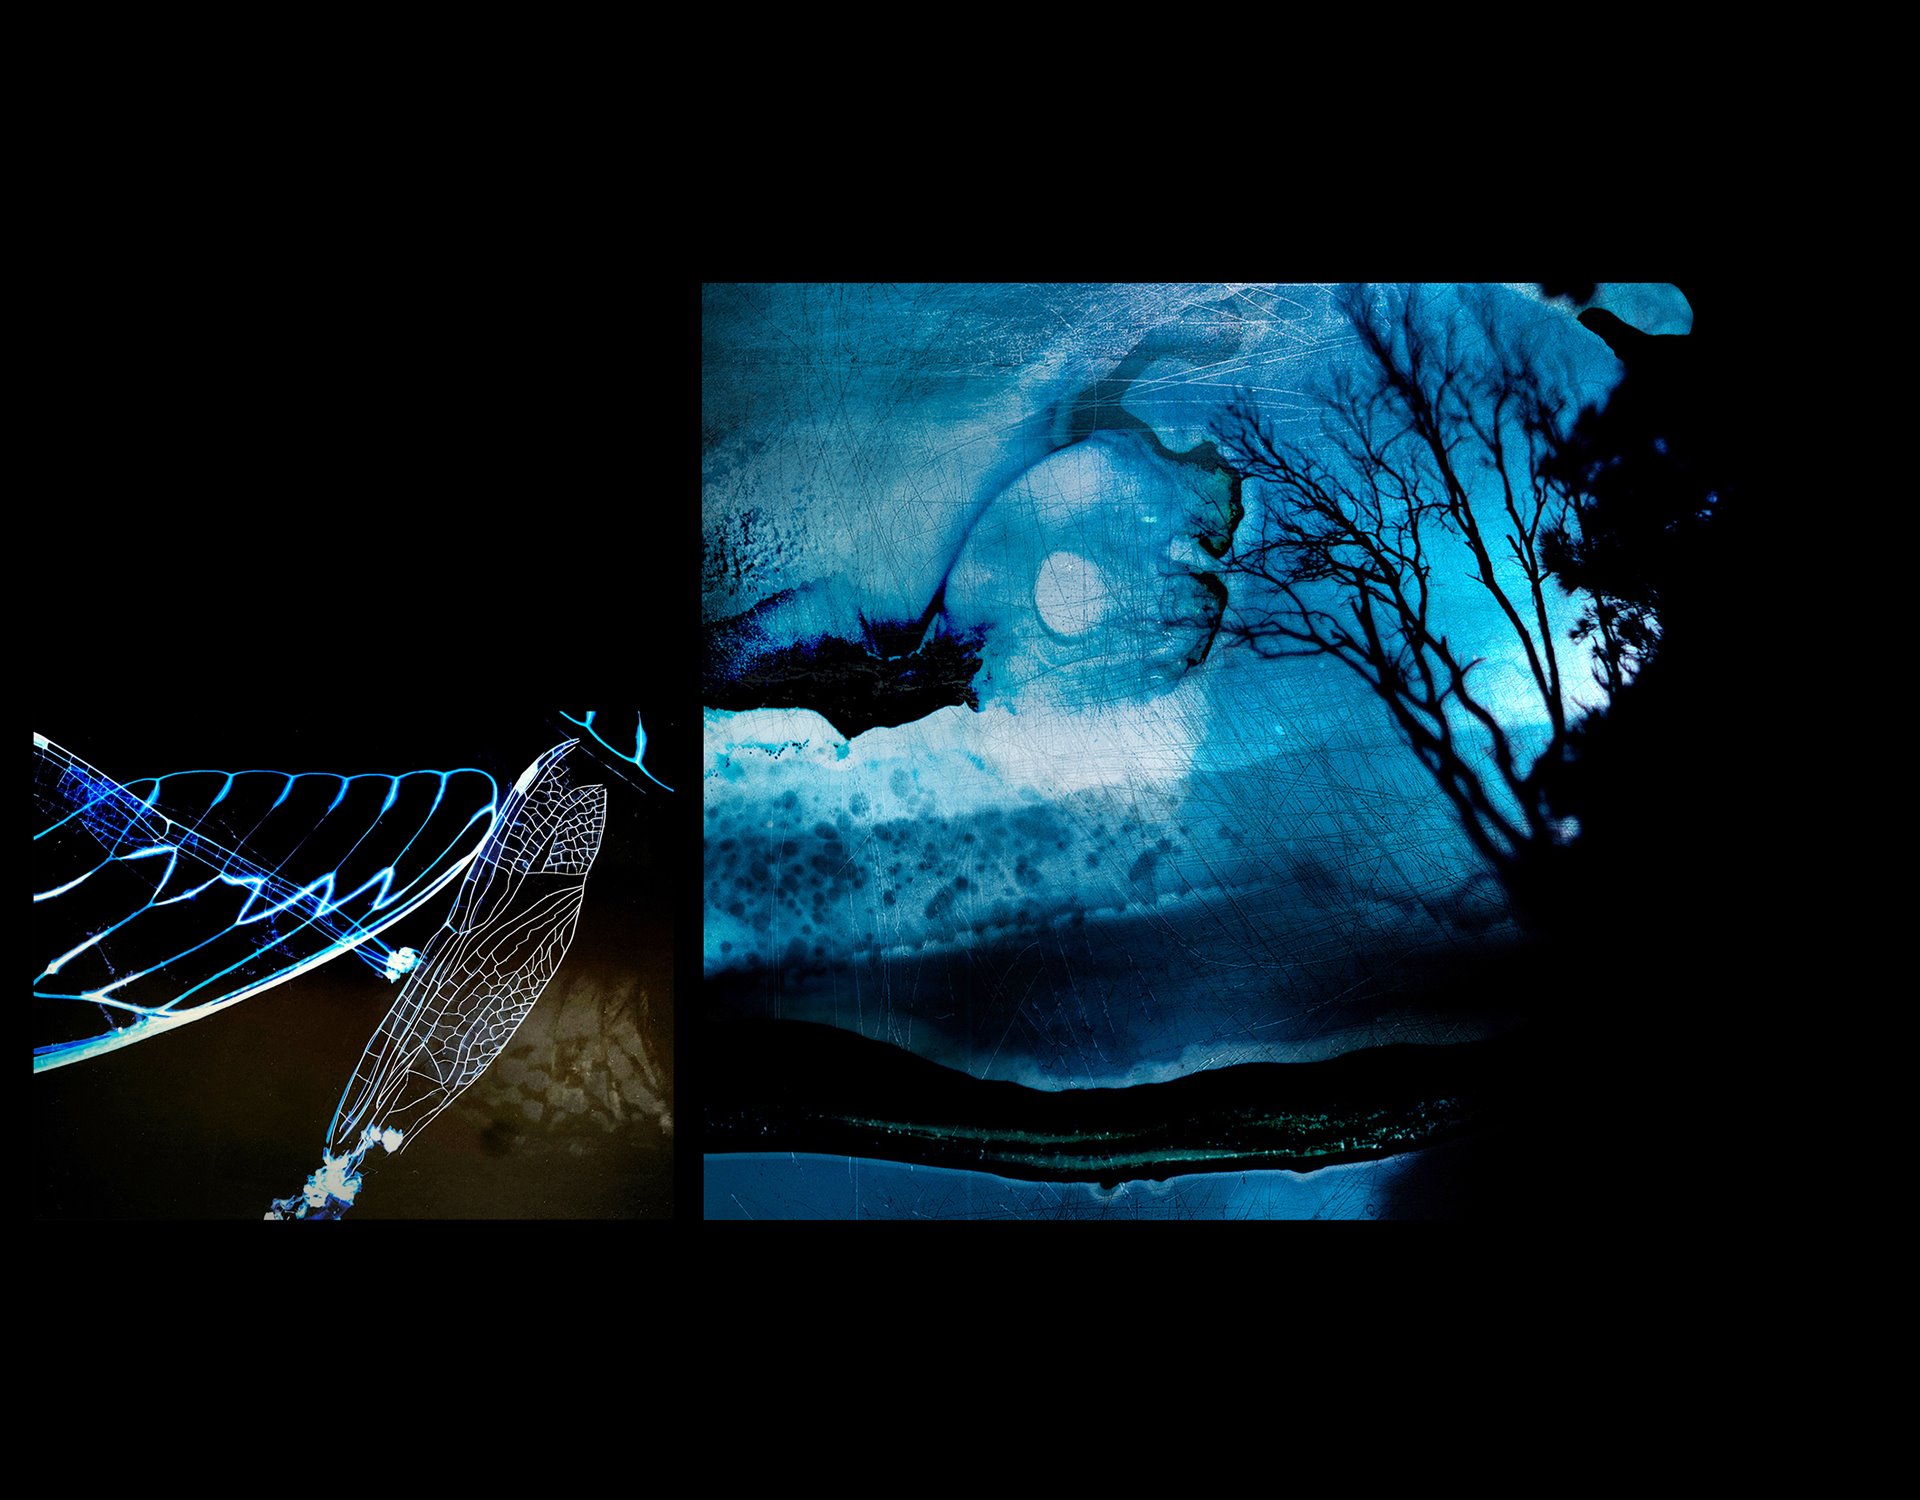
(336, 499)
(429, 462)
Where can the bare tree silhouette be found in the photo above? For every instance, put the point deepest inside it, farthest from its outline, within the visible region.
(1436, 449)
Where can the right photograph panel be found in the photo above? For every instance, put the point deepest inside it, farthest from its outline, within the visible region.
(1201, 751)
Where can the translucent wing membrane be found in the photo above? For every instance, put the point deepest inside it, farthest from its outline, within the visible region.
(160, 900)
(475, 982)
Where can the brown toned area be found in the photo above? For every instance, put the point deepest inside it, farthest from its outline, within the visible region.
(574, 1120)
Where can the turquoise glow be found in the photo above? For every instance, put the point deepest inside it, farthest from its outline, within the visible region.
(639, 744)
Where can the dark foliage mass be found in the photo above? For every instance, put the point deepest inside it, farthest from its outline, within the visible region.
(1669, 539)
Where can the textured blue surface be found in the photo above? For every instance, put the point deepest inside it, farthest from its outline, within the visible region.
(842, 1187)
(1140, 852)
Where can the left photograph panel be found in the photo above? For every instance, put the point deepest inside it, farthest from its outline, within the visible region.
(297, 961)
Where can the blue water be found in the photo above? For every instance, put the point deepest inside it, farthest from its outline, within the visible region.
(791, 1186)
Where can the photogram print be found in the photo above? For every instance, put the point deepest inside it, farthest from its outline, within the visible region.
(1203, 751)
(481, 957)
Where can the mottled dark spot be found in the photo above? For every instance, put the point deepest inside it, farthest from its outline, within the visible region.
(499, 1138)
(1033, 822)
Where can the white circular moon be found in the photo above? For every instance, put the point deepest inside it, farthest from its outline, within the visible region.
(1071, 594)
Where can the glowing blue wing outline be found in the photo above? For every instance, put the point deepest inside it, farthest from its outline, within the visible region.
(140, 828)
